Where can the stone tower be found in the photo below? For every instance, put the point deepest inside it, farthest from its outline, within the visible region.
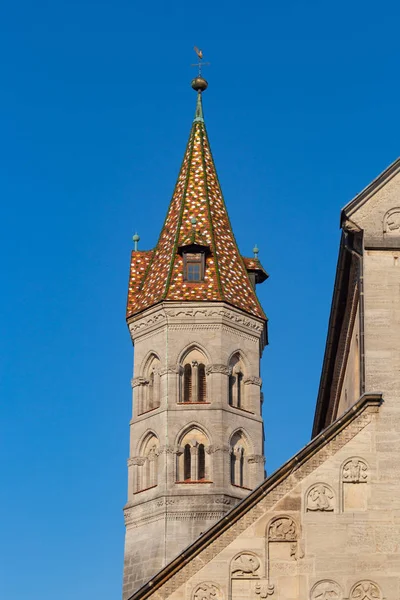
(196, 434)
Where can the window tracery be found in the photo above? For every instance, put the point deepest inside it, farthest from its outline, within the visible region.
(193, 386)
(193, 461)
(236, 387)
(146, 464)
(240, 476)
(148, 391)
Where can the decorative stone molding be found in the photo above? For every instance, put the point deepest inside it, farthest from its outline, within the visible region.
(355, 470)
(143, 323)
(218, 368)
(170, 449)
(320, 498)
(256, 458)
(263, 589)
(137, 460)
(326, 589)
(283, 529)
(207, 591)
(365, 590)
(245, 565)
(170, 370)
(252, 380)
(218, 448)
(138, 381)
(212, 313)
(391, 222)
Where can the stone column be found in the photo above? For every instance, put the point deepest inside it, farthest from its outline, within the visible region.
(195, 381)
(193, 463)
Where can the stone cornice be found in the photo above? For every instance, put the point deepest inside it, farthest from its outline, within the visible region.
(262, 499)
(195, 314)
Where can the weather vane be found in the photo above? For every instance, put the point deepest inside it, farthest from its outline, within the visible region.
(200, 64)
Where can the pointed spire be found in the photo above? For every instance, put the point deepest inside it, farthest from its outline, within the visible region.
(196, 215)
(198, 117)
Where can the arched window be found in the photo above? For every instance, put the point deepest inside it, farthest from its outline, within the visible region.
(187, 463)
(236, 395)
(193, 386)
(201, 383)
(147, 394)
(151, 390)
(146, 464)
(201, 463)
(187, 383)
(193, 462)
(238, 465)
(239, 384)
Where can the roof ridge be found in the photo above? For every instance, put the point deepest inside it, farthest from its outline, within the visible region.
(215, 254)
(182, 208)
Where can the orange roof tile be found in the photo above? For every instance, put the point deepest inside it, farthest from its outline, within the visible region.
(158, 275)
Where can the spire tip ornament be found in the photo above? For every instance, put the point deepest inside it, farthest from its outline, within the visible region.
(199, 84)
(135, 239)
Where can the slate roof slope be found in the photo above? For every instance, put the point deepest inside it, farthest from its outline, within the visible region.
(159, 276)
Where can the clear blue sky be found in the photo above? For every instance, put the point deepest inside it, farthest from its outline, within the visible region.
(302, 112)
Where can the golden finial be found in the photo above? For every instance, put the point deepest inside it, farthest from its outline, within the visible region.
(199, 83)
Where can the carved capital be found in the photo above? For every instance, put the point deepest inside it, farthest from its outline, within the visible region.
(173, 370)
(256, 458)
(136, 460)
(218, 448)
(170, 450)
(138, 381)
(218, 368)
(252, 380)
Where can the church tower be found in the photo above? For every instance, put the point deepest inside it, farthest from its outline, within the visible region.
(196, 434)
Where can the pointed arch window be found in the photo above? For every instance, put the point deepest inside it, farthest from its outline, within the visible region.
(201, 385)
(193, 460)
(147, 393)
(193, 386)
(187, 383)
(187, 475)
(146, 465)
(201, 463)
(238, 463)
(236, 391)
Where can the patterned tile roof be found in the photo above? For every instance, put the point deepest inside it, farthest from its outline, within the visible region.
(158, 275)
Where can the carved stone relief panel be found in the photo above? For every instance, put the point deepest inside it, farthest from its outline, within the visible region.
(354, 476)
(365, 590)
(218, 368)
(245, 565)
(245, 573)
(282, 549)
(207, 591)
(326, 590)
(391, 222)
(263, 589)
(355, 470)
(320, 498)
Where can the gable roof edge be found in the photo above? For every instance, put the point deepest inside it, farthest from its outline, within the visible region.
(367, 400)
(371, 188)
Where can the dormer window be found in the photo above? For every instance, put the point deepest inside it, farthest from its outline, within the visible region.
(193, 263)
